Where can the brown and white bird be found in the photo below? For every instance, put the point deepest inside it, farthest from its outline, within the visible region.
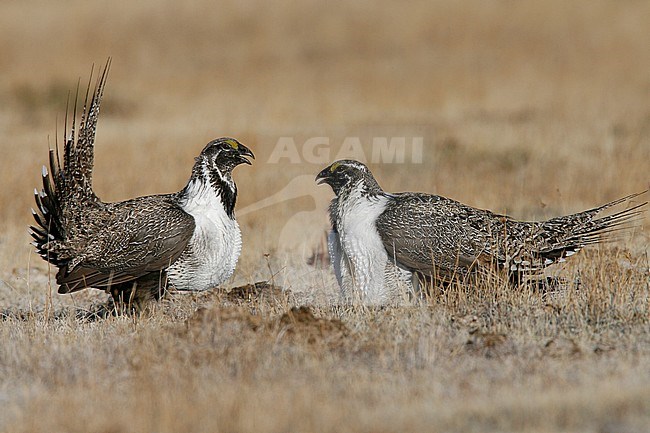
(382, 242)
(136, 249)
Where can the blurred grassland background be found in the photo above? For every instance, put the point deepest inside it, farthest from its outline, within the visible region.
(530, 108)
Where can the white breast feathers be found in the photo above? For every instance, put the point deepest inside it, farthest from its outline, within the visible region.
(364, 260)
(214, 248)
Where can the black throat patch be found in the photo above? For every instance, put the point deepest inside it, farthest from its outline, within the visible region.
(226, 189)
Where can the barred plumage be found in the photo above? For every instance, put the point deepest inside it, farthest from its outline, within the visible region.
(134, 249)
(407, 236)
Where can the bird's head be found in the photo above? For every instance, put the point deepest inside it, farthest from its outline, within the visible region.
(346, 175)
(223, 155)
(213, 168)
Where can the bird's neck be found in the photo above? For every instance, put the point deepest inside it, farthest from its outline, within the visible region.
(210, 188)
(359, 196)
(361, 190)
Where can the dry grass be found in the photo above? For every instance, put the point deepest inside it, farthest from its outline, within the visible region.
(532, 108)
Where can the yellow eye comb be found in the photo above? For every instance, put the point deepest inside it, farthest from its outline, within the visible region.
(232, 143)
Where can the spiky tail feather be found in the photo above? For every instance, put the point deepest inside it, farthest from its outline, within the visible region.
(562, 237)
(70, 183)
(585, 228)
(590, 230)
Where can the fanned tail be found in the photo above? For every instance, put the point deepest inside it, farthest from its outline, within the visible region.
(67, 185)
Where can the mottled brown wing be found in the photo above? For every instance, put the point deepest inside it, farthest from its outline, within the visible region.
(139, 237)
(426, 233)
(431, 234)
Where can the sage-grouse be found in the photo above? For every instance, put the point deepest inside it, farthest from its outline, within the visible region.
(135, 249)
(381, 241)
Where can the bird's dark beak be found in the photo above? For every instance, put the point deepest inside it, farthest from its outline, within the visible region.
(323, 176)
(243, 153)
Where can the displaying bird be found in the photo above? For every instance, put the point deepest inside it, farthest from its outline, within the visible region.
(136, 249)
(382, 243)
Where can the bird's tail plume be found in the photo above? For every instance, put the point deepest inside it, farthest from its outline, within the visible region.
(566, 235)
(67, 185)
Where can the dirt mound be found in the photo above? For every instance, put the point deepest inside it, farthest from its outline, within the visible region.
(260, 291)
(296, 326)
(300, 324)
(235, 319)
